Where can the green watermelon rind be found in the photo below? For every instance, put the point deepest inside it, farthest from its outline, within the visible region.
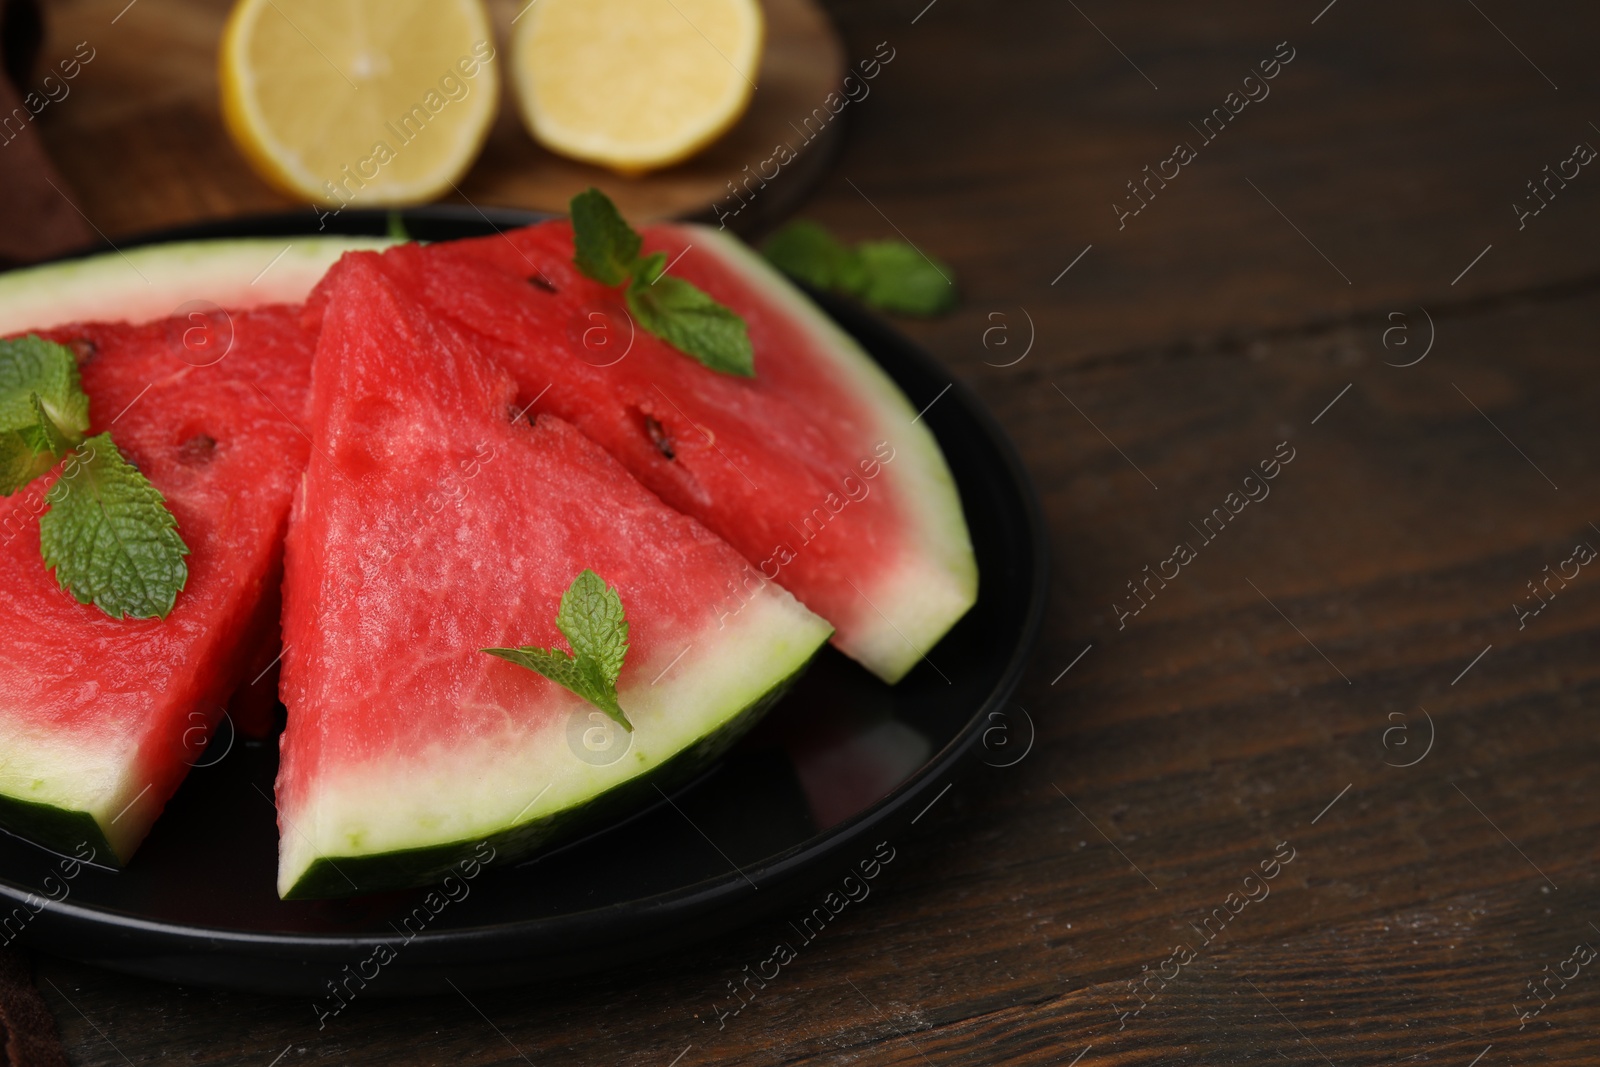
(58, 829)
(907, 612)
(154, 281)
(329, 877)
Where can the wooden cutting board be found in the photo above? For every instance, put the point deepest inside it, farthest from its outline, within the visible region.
(140, 142)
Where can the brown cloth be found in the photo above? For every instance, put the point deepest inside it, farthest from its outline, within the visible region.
(36, 218)
(27, 1032)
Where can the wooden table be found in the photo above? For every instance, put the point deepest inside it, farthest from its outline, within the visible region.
(1342, 669)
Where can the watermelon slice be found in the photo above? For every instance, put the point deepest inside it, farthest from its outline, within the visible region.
(818, 470)
(143, 284)
(435, 521)
(101, 718)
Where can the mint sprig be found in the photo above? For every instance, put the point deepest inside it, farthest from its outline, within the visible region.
(689, 320)
(890, 275)
(592, 620)
(607, 250)
(43, 410)
(607, 247)
(109, 536)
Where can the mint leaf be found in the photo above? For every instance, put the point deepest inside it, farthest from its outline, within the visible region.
(670, 308)
(690, 321)
(808, 253)
(31, 450)
(109, 536)
(592, 620)
(888, 275)
(43, 409)
(607, 247)
(33, 365)
(900, 278)
(558, 666)
(44, 435)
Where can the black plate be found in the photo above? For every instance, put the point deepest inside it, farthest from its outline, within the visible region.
(840, 765)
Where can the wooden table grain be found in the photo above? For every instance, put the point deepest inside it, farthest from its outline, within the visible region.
(1321, 789)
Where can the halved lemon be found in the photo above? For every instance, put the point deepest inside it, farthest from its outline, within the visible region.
(359, 101)
(634, 85)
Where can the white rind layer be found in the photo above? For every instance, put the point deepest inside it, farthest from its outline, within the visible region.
(911, 607)
(153, 282)
(471, 789)
(96, 777)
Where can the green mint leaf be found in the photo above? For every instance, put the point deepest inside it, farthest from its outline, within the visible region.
(888, 275)
(900, 278)
(690, 321)
(607, 247)
(29, 451)
(554, 664)
(648, 269)
(810, 254)
(33, 365)
(109, 536)
(592, 620)
(45, 435)
(43, 409)
(607, 250)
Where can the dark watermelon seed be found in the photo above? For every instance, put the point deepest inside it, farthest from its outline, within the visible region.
(84, 349)
(197, 449)
(658, 435)
(539, 281)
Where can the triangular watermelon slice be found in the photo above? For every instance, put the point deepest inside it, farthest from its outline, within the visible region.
(101, 718)
(435, 521)
(818, 470)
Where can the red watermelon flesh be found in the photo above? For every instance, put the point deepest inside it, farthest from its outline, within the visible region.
(435, 520)
(101, 718)
(818, 470)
